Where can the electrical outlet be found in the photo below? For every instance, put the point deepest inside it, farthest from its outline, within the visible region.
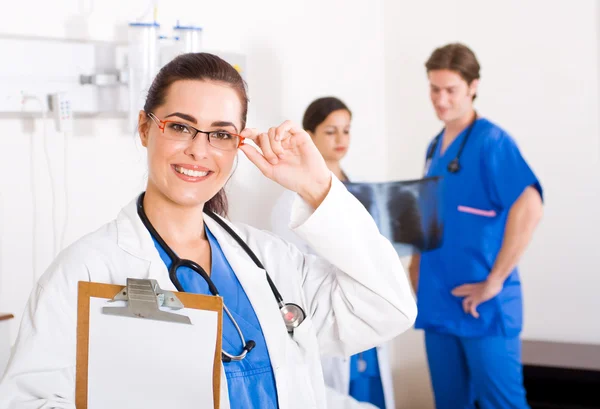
(62, 111)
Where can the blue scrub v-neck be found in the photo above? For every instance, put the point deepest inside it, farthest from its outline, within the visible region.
(251, 381)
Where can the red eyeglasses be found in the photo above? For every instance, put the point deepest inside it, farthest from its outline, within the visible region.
(181, 132)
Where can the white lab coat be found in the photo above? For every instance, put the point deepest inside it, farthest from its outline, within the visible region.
(336, 369)
(355, 296)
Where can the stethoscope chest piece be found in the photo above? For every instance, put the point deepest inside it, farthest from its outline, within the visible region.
(293, 316)
(454, 166)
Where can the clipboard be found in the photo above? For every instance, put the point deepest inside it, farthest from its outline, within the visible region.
(90, 294)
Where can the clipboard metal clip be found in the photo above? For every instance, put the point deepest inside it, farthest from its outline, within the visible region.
(144, 298)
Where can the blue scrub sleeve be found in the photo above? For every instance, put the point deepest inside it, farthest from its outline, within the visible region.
(507, 173)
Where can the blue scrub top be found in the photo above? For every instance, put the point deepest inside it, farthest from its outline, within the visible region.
(251, 381)
(365, 382)
(475, 206)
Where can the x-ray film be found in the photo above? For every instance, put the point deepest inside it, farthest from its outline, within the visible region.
(408, 213)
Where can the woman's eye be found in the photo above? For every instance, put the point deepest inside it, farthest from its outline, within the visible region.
(221, 135)
(179, 128)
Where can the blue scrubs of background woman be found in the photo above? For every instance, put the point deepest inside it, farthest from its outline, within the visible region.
(469, 291)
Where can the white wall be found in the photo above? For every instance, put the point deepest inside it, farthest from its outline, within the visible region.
(540, 82)
(295, 52)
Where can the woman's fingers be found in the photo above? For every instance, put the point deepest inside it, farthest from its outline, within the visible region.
(251, 133)
(275, 144)
(259, 160)
(288, 129)
(265, 146)
(277, 141)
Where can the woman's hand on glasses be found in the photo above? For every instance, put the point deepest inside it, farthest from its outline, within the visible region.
(290, 158)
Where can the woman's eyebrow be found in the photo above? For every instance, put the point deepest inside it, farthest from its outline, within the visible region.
(225, 123)
(183, 116)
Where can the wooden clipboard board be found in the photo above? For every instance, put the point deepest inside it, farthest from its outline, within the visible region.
(108, 291)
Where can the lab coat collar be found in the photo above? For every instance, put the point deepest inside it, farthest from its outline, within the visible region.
(132, 235)
(135, 239)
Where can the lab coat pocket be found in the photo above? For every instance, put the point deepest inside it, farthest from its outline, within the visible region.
(302, 355)
(303, 334)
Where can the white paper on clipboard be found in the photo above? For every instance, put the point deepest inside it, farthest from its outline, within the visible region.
(150, 364)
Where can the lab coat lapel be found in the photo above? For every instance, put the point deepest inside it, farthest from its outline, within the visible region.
(135, 239)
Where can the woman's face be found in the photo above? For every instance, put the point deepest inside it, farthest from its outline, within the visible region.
(191, 172)
(332, 136)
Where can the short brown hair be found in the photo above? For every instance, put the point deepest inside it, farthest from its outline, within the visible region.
(455, 57)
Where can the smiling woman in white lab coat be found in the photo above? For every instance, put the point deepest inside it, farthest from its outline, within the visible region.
(355, 295)
(365, 377)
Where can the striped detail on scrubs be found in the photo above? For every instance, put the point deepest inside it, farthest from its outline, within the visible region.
(251, 381)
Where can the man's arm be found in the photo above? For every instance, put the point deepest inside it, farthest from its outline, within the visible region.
(523, 217)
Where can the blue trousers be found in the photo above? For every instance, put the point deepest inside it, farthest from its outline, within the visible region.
(486, 370)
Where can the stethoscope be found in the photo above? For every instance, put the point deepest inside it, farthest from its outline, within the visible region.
(293, 315)
(454, 165)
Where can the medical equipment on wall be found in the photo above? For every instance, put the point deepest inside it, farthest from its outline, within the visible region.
(142, 62)
(62, 116)
(102, 78)
(293, 315)
(189, 37)
(62, 111)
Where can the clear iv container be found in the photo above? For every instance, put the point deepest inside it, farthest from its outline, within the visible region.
(190, 38)
(142, 62)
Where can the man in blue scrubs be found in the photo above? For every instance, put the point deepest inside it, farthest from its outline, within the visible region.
(468, 290)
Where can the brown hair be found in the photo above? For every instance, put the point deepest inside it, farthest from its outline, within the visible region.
(455, 57)
(199, 67)
(319, 110)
